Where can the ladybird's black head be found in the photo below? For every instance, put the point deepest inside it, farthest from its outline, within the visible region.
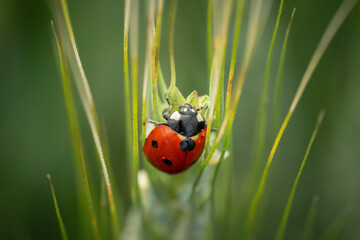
(187, 109)
(187, 121)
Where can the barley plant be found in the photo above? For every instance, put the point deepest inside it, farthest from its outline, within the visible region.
(234, 60)
(199, 204)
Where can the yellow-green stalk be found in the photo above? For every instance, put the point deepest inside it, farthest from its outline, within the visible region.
(339, 17)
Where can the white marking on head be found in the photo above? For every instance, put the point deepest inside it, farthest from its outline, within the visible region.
(182, 137)
(195, 137)
(193, 110)
(185, 109)
(199, 117)
(175, 116)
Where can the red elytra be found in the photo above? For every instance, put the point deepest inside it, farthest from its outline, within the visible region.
(162, 149)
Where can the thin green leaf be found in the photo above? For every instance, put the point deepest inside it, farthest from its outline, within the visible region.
(162, 84)
(310, 220)
(58, 215)
(221, 34)
(155, 63)
(251, 41)
(239, 11)
(74, 125)
(261, 120)
(219, 108)
(127, 97)
(149, 43)
(281, 230)
(339, 17)
(89, 107)
(171, 41)
(134, 74)
(238, 20)
(276, 112)
(209, 36)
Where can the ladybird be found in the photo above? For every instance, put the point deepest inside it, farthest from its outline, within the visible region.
(174, 146)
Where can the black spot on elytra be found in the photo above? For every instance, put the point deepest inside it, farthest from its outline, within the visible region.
(168, 162)
(187, 145)
(154, 143)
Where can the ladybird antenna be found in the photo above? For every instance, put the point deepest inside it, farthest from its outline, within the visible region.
(202, 108)
(167, 99)
(153, 122)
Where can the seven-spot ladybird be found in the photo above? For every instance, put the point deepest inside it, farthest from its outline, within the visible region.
(174, 146)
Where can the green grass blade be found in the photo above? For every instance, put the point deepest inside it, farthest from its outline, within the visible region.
(238, 20)
(217, 68)
(239, 11)
(171, 41)
(255, 201)
(89, 107)
(127, 97)
(276, 111)
(339, 17)
(335, 23)
(310, 220)
(150, 20)
(162, 84)
(86, 92)
(58, 215)
(209, 36)
(155, 63)
(104, 212)
(219, 108)
(74, 127)
(261, 120)
(251, 41)
(134, 75)
(281, 230)
(335, 227)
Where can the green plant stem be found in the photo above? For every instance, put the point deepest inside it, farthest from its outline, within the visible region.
(255, 201)
(261, 120)
(281, 230)
(332, 28)
(209, 36)
(276, 113)
(74, 125)
(171, 41)
(220, 92)
(127, 97)
(237, 27)
(217, 69)
(150, 19)
(155, 63)
(239, 11)
(227, 124)
(134, 74)
(89, 107)
(162, 84)
(58, 215)
(230, 114)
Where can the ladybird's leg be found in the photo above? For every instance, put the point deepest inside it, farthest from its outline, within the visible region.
(215, 130)
(167, 99)
(154, 122)
(164, 113)
(202, 108)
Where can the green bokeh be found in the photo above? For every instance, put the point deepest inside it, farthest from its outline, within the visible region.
(35, 139)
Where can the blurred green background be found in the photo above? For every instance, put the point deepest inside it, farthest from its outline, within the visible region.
(35, 139)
